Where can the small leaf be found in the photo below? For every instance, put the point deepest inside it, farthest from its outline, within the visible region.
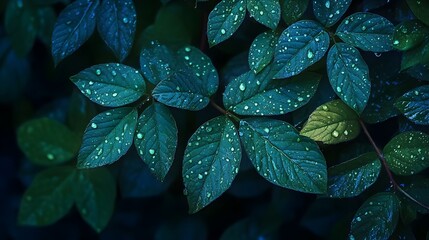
(266, 12)
(407, 153)
(300, 45)
(211, 162)
(157, 62)
(282, 156)
(111, 84)
(415, 56)
(224, 20)
(376, 218)
(49, 197)
(328, 12)
(332, 123)
(108, 136)
(251, 95)
(367, 31)
(156, 139)
(414, 105)
(419, 9)
(262, 50)
(409, 34)
(74, 26)
(351, 178)
(292, 10)
(116, 22)
(349, 75)
(47, 142)
(95, 194)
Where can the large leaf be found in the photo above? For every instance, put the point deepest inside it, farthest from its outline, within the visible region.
(262, 50)
(266, 12)
(349, 75)
(49, 197)
(292, 10)
(156, 139)
(282, 156)
(332, 123)
(328, 12)
(414, 105)
(367, 31)
(47, 142)
(409, 34)
(300, 45)
(95, 196)
(408, 153)
(157, 62)
(224, 20)
(351, 178)
(211, 162)
(251, 95)
(376, 218)
(419, 8)
(74, 26)
(116, 22)
(108, 136)
(110, 84)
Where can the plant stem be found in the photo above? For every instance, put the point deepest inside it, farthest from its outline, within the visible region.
(223, 111)
(386, 167)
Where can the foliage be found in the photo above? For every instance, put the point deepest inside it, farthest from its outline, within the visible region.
(294, 113)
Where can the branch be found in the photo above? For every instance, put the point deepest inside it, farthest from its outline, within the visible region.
(223, 111)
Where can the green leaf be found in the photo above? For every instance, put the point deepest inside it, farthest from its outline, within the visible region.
(80, 112)
(292, 10)
(329, 12)
(47, 18)
(419, 9)
(49, 197)
(108, 136)
(376, 218)
(156, 139)
(157, 62)
(414, 105)
(251, 94)
(351, 178)
(300, 45)
(349, 75)
(367, 31)
(116, 22)
(111, 84)
(262, 50)
(47, 142)
(95, 196)
(415, 56)
(407, 153)
(266, 12)
(332, 123)
(224, 20)
(409, 34)
(418, 189)
(74, 26)
(211, 162)
(282, 156)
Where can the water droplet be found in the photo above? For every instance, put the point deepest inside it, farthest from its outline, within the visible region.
(346, 132)
(151, 151)
(310, 54)
(328, 4)
(396, 42)
(339, 89)
(98, 72)
(222, 31)
(50, 156)
(125, 20)
(93, 125)
(325, 107)
(139, 136)
(242, 87)
(335, 133)
(266, 130)
(200, 176)
(209, 129)
(358, 219)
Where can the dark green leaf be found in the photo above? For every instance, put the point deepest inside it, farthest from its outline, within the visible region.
(224, 20)
(409, 34)
(376, 218)
(116, 22)
(332, 123)
(262, 50)
(95, 196)
(300, 45)
(292, 10)
(414, 105)
(419, 191)
(351, 178)
(49, 197)
(349, 76)
(47, 142)
(282, 156)
(157, 62)
(211, 162)
(266, 12)
(108, 136)
(74, 26)
(420, 72)
(407, 153)
(156, 139)
(328, 12)
(80, 112)
(367, 31)
(110, 84)
(415, 56)
(252, 94)
(419, 8)
(47, 18)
